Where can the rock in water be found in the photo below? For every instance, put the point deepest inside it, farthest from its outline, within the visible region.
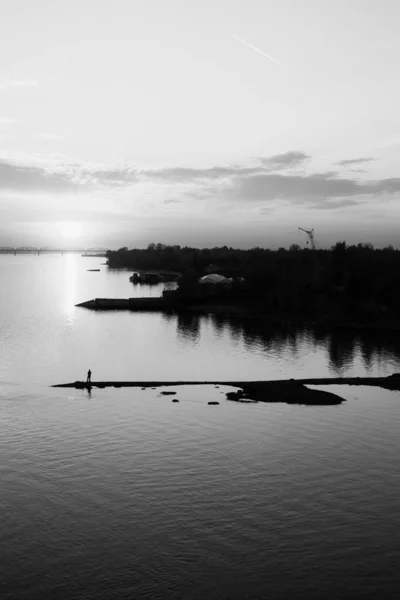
(213, 403)
(175, 400)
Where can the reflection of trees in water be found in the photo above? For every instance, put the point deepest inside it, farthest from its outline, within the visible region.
(342, 347)
(224, 325)
(375, 348)
(219, 324)
(257, 335)
(369, 353)
(169, 317)
(292, 341)
(379, 348)
(188, 326)
(318, 338)
(235, 331)
(270, 338)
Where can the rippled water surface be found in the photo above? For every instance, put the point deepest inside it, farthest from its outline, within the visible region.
(124, 494)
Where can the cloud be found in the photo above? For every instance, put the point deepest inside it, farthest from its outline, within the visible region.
(18, 83)
(258, 50)
(336, 204)
(268, 182)
(264, 164)
(285, 160)
(118, 176)
(354, 161)
(25, 178)
(62, 177)
(304, 189)
(184, 174)
(387, 186)
(112, 180)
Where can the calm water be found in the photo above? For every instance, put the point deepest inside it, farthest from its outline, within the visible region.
(123, 494)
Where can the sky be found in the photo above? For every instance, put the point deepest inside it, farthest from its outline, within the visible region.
(201, 123)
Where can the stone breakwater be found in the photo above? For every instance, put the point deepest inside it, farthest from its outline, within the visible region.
(146, 304)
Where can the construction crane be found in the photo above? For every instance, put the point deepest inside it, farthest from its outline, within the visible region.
(310, 234)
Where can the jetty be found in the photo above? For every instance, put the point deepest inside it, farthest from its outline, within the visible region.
(290, 391)
(167, 303)
(153, 303)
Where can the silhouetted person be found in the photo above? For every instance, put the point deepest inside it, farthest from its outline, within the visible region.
(89, 377)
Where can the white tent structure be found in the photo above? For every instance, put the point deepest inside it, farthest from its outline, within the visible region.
(214, 278)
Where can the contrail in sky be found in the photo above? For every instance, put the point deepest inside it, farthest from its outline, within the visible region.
(257, 50)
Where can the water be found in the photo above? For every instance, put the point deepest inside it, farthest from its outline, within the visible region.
(123, 494)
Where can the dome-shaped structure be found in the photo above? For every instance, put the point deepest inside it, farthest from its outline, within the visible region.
(214, 278)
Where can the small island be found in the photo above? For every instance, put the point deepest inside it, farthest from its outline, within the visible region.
(289, 391)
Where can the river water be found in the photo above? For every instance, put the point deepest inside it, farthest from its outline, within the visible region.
(124, 494)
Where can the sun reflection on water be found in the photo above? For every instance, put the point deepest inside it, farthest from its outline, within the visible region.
(70, 272)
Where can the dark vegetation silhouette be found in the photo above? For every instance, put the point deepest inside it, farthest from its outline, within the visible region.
(356, 285)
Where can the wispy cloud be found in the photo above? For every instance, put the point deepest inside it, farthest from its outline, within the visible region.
(354, 161)
(338, 204)
(239, 39)
(5, 85)
(185, 174)
(50, 136)
(285, 160)
(278, 162)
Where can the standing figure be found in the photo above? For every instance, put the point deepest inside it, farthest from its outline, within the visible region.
(89, 377)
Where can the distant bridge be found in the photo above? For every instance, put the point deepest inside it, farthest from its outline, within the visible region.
(34, 250)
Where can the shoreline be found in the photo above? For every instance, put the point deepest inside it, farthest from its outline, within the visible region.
(158, 303)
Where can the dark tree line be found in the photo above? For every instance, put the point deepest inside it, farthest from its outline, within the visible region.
(346, 284)
(175, 258)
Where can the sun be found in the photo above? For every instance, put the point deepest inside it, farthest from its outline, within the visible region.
(71, 230)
